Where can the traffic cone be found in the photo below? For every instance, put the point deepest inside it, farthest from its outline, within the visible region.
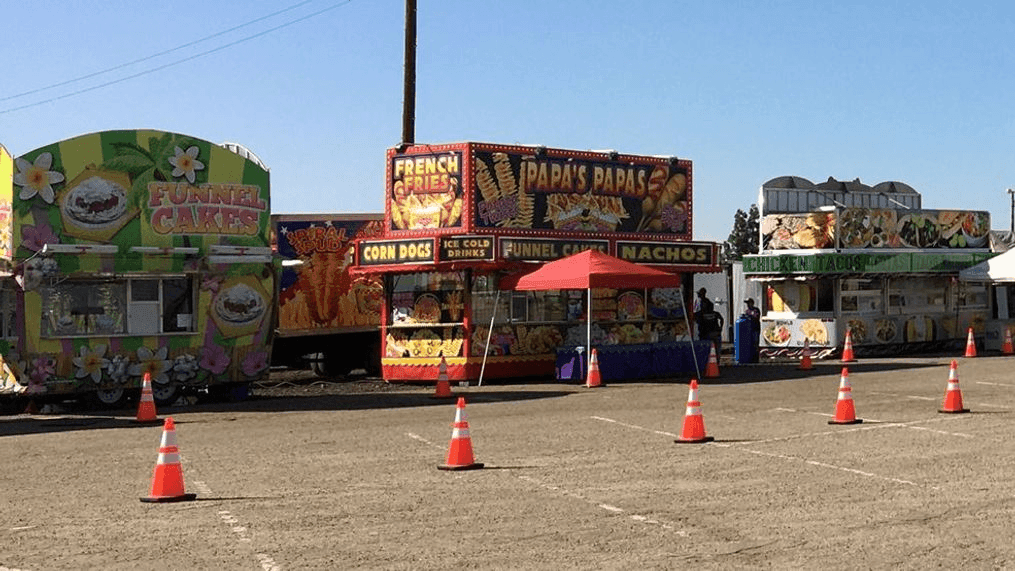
(694, 424)
(712, 368)
(167, 481)
(460, 450)
(594, 379)
(146, 406)
(1007, 348)
(953, 395)
(845, 413)
(847, 348)
(805, 361)
(443, 389)
(970, 344)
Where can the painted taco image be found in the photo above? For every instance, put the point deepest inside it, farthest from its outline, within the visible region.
(239, 304)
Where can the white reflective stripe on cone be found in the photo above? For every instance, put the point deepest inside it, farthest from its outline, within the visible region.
(169, 458)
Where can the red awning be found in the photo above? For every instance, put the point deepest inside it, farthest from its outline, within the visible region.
(590, 269)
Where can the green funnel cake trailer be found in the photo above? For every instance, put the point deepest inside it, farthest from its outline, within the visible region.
(132, 253)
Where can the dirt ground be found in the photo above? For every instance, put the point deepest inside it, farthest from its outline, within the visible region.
(317, 474)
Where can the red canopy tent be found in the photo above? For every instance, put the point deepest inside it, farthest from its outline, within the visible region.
(590, 269)
(586, 270)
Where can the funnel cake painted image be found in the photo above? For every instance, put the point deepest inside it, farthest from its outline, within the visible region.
(95, 205)
(239, 306)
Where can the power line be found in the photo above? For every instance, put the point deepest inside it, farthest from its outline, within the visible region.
(153, 56)
(175, 63)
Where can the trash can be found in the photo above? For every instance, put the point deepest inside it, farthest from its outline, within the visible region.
(745, 342)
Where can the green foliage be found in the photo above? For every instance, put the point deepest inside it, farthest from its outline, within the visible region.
(744, 237)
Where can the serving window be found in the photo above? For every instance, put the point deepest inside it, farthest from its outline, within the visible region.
(862, 295)
(427, 314)
(909, 295)
(790, 298)
(148, 306)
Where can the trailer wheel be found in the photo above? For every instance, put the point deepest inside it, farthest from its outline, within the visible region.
(165, 395)
(111, 398)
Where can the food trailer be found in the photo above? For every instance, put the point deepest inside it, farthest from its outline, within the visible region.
(132, 253)
(889, 276)
(461, 217)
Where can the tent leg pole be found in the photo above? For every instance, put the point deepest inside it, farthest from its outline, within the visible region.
(690, 333)
(588, 332)
(489, 334)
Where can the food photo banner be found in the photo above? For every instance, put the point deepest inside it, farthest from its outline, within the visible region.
(861, 228)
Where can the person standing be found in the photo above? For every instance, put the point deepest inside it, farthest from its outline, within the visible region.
(753, 314)
(710, 322)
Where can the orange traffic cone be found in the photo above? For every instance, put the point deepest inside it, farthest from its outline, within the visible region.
(1007, 348)
(167, 482)
(443, 390)
(460, 450)
(694, 424)
(970, 344)
(146, 406)
(845, 413)
(953, 395)
(847, 348)
(805, 361)
(594, 378)
(712, 368)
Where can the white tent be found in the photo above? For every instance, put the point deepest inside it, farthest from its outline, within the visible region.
(999, 269)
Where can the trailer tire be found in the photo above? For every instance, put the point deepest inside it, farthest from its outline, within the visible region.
(327, 365)
(165, 395)
(110, 398)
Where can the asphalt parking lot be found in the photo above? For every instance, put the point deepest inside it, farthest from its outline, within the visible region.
(318, 475)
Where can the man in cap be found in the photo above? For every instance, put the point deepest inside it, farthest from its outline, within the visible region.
(709, 321)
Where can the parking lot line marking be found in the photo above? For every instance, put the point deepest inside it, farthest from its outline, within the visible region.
(240, 531)
(659, 432)
(607, 507)
(785, 456)
(420, 438)
(995, 384)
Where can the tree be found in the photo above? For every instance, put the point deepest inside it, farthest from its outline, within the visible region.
(744, 237)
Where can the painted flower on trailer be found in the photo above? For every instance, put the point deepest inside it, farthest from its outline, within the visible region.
(184, 368)
(35, 237)
(214, 359)
(36, 178)
(254, 363)
(118, 369)
(211, 283)
(42, 369)
(90, 363)
(154, 364)
(185, 163)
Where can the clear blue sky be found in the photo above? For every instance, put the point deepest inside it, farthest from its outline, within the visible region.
(917, 91)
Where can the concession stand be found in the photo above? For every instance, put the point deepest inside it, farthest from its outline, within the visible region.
(889, 276)
(134, 253)
(464, 220)
(998, 273)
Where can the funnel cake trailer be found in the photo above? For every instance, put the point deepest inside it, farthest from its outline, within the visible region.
(461, 217)
(131, 253)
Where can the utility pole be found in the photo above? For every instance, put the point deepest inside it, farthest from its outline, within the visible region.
(409, 94)
(1011, 192)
